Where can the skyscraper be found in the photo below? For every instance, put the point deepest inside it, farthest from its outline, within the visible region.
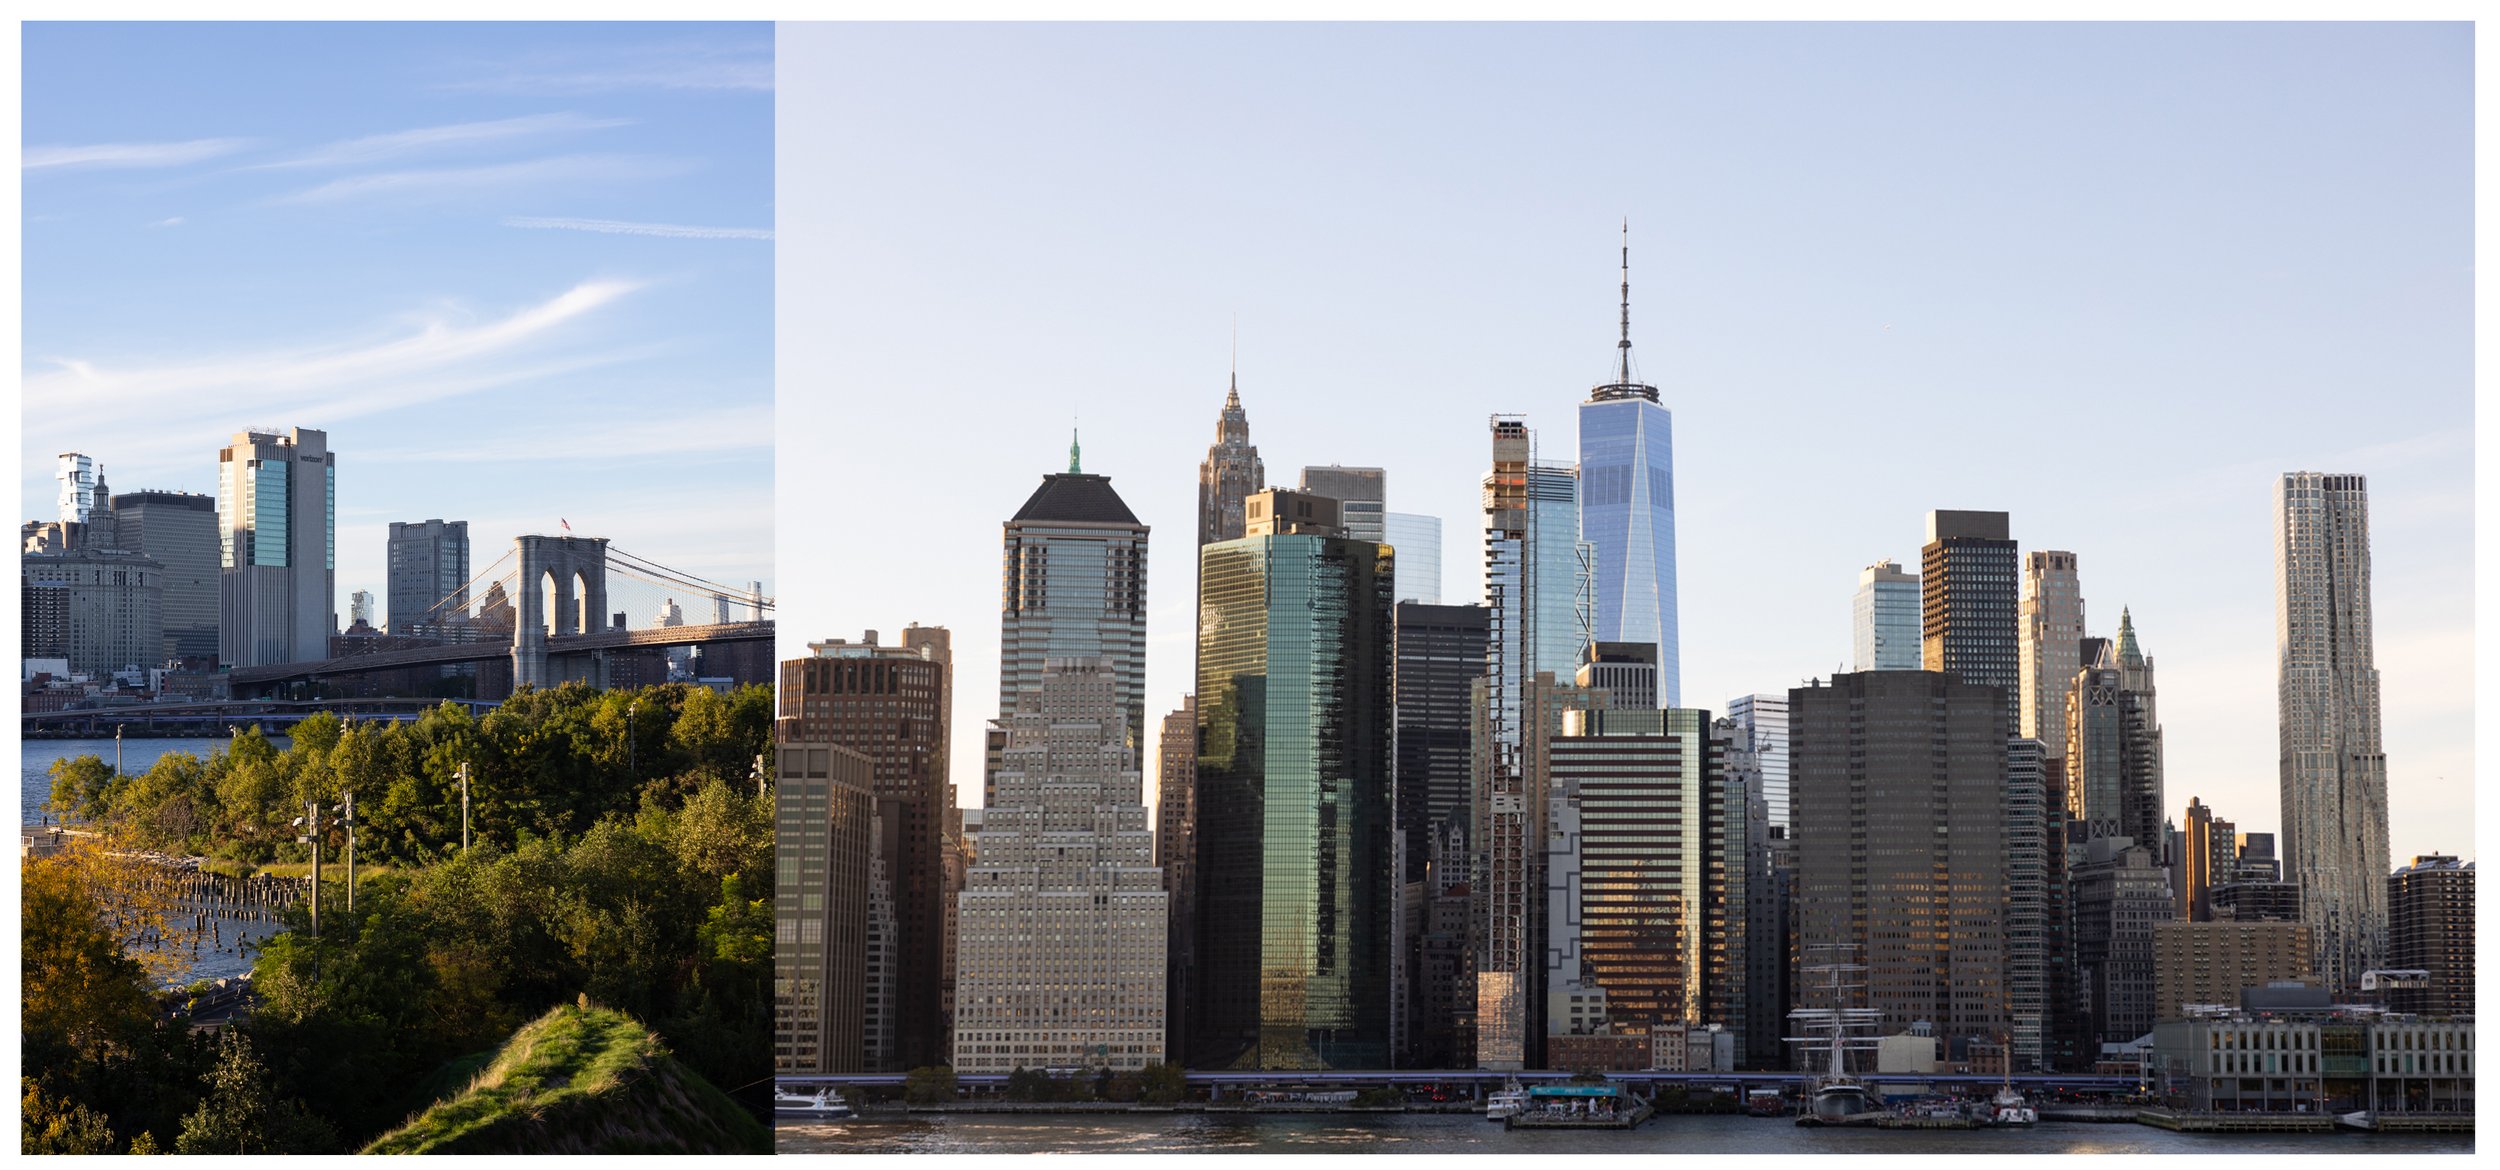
(1883, 619)
(2114, 756)
(1967, 602)
(891, 704)
(1294, 800)
(2119, 894)
(2430, 910)
(80, 477)
(2210, 860)
(1176, 854)
(2032, 870)
(1640, 867)
(823, 816)
(111, 606)
(179, 531)
(1765, 721)
(429, 572)
(1440, 658)
(1073, 585)
(1417, 540)
(1537, 594)
(2052, 647)
(277, 517)
(1061, 931)
(1627, 507)
(2334, 771)
(1898, 781)
(1362, 495)
(1231, 472)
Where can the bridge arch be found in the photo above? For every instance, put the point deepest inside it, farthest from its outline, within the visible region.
(574, 569)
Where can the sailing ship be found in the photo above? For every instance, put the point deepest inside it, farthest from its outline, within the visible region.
(1835, 1097)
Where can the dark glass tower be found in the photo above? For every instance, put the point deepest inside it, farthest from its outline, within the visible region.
(1899, 780)
(1294, 800)
(1440, 657)
(1969, 598)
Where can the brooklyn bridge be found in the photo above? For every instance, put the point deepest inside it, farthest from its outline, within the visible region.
(551, 610)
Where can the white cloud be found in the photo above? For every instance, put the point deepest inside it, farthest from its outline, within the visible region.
(129, 154)
(169, 221)
(628, 228)
(378, 147)
(426, 357)
(462, 180)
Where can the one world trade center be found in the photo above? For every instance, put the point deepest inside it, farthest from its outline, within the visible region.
(1627, 507)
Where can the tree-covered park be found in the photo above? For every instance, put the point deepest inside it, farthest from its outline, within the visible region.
(620, 849)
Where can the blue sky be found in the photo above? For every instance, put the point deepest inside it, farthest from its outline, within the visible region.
(521, 273)
(2112, 279)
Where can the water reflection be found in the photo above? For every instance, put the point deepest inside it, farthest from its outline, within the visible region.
(1183, 1133)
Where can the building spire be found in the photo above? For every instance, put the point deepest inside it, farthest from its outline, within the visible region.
(1074, 466)
(1623, 347)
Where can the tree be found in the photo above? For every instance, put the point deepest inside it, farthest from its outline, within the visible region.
(1028, 1084)
(79, 990)
(57, 1125)
(79, 786)
(239, 1115)
(1161, 1084)
(932, 1085)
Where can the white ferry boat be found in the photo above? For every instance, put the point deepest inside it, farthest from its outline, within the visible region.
(1509, 1101)
(824, 1104)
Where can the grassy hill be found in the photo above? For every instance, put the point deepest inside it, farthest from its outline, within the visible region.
(582, 1080)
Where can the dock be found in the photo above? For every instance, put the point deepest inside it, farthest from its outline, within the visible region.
(2183, 1122)
(1545, 1119)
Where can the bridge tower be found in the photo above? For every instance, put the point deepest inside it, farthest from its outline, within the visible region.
(570, 561)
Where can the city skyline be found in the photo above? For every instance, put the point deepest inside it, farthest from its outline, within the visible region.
(1921, 342)
(497, 264)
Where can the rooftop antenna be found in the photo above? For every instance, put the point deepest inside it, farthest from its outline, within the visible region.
(1623, 346)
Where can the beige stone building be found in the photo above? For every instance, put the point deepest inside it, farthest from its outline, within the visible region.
(1061, 926)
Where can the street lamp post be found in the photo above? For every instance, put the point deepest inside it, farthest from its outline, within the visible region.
(310, 822)
(347, 811)
(117, 749)
(464, 806)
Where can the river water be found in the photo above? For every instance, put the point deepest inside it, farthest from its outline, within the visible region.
(1442, 1133)
(230, 953)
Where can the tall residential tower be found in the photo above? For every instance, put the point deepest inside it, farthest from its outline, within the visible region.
(2334, 771)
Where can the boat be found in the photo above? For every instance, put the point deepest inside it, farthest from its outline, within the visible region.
(1766, 1103)
(1837, 1097)
(824, 1104)
(1507, 1102)
(2008, 1109)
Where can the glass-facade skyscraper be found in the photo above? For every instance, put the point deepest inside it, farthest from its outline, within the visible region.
(1294, 884)
(1537, 591)
(1883, 619)
(277, 521)
(1072, 584)
(429, 565)
(1627, 509)
(1417, 540)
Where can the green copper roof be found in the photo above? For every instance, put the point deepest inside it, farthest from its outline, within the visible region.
(2128, 652)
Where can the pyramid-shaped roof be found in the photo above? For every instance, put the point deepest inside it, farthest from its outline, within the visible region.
(1077, 498)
